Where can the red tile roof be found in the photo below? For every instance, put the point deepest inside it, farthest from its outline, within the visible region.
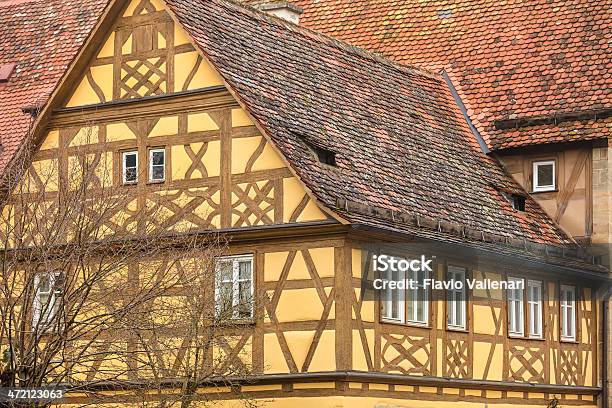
(41, 37)
(509, 59)
(401, 143)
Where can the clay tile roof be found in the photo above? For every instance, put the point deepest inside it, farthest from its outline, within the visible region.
(509, 59)
(402, 147)
(40, 38)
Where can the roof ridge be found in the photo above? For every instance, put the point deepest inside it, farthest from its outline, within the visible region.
(315, 35)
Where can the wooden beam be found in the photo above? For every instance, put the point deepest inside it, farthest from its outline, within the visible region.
(149, 107)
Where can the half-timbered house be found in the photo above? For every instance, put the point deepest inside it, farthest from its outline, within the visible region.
(304, 152)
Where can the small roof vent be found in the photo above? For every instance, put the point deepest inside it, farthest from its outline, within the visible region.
(323, 154)
(282, 9)
(6, 70)
(517, 201)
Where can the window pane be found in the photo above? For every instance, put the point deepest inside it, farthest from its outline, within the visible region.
(545, 174)
(244, 270)
(158, 173)
(130, 174)
(225, 270)
(158, 158)
(420, 306)
(43, 298)
(44, 284)
(244, 307)
(130, 160)
(410, 302)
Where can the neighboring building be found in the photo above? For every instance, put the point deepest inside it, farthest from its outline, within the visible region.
(305, 152)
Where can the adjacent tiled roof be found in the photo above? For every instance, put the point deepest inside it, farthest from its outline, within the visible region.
(41, 37)
(401, 143)
(508, 58)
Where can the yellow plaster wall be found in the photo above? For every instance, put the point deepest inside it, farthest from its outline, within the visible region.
(361, 348)
(51, 140)
(292, 196)
(495, 369)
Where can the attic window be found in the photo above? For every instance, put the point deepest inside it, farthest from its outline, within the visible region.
(517, 201)
(325, 156)
(6, 70)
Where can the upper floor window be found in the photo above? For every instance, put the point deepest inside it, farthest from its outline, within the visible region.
(534, 308)
(157, 165)
(568, 312)
(417, 299)
(529, 303)
(47, 298)
(234, 287)
(393, 300)
(516, 308)
(406, 305)
(456, 309)
(130, 167)
(544, 176)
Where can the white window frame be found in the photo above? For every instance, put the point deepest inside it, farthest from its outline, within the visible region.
(536, 186)
(534, 308)
(414, 292)
(567, 313)
(124, 156)
(43, 314)
(456, 299)
(387, 298)
(515, 297)
(236, 260)
(151, 165)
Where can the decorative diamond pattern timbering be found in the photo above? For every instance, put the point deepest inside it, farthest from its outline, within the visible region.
(146, 50)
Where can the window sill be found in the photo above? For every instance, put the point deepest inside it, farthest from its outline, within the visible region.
(553, 190)
(156, 181)
(535, 338)
(523, 337)
(237, 322)
(569, 341)
(457, 329)
(406, 324)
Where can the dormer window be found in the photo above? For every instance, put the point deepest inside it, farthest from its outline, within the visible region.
(544, 176)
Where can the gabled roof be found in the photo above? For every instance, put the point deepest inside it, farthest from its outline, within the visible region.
(401, 143)
(405, 155)
(41, 37)
(509, 59)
